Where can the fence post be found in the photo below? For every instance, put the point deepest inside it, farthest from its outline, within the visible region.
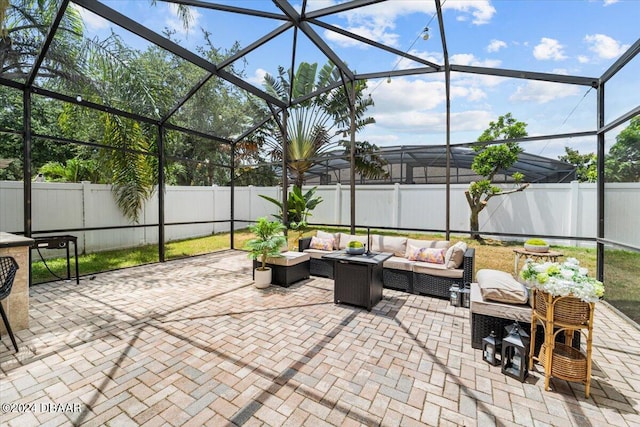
(395, 216)
(252, 194)
(213, 202)
(574, 210)
(338, 205)
(85, 202)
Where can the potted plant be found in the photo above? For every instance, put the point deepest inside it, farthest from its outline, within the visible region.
(268, 242)
(536, 245)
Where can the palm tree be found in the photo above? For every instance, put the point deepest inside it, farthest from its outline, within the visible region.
(102, 71)
(315, 125)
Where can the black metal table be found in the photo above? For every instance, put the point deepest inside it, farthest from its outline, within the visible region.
(60, 242)
(357, 278)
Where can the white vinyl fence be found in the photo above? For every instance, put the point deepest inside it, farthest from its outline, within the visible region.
(542, 209)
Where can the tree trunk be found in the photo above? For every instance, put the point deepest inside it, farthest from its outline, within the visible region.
(474, 223)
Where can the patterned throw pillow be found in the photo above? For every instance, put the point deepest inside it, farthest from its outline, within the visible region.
(323, 244)
(432, 255)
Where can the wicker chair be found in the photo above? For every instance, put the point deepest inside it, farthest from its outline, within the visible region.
(8, 268)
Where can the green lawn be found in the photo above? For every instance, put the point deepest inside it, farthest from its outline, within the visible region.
(622, 268)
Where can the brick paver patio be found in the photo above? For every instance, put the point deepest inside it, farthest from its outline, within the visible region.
(192, 342)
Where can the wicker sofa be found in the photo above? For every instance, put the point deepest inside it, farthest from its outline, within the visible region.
(399, 272)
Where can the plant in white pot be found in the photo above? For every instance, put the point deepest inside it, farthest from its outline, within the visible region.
(268, 242)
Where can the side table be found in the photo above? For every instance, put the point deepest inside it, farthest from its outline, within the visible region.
(537, 256)
(562, 315)
(357, 278)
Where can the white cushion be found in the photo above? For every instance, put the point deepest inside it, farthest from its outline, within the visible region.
(389, 244)
(439, 270)
(316, 253)
(500, 286)
(289, 258)
(398, 263)
(346, 238)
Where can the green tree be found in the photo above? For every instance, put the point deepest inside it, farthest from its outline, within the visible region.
(586, 164)
(24, 25)
(622, 163)
(74, 170)
(489, 160)
(315, 125)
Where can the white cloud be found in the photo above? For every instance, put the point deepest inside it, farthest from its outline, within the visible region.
(604, 46)
(549, 49)
(391, 129)
(174, 22)
(406, 100)
(378, 21)
(403, 95)
(481, 10)
(470, 93)
(543, 92)
(91, 21)
(377, 33)
(258, 77)
(470, 59)
(402, 63)
(583, 59)
(496, 45)
(610, 2)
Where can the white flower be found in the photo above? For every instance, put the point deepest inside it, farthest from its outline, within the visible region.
(567, 274)
(563, 279)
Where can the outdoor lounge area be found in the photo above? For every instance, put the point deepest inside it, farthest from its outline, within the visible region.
(395, 164)
(192, 342)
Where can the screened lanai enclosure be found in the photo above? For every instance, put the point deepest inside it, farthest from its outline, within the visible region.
(136, 123)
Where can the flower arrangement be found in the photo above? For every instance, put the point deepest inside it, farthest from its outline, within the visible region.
(562, 279)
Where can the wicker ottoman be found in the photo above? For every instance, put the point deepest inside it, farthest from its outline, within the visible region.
(291, 267)
(487, 316)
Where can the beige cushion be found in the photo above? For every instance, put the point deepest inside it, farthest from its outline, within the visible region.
(455, 255)
(390, 244)
(521, 313)
(501, 287)
(427, 244)
(316, 253)
(324, 235)
(398, 263)
(289, 258)
(437, 270)
(346, 238)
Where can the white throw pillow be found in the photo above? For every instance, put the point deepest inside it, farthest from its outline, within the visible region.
(455, 255)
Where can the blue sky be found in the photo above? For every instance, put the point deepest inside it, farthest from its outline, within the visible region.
(576, 37)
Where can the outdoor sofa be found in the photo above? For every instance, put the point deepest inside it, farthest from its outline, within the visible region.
(402, 271)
